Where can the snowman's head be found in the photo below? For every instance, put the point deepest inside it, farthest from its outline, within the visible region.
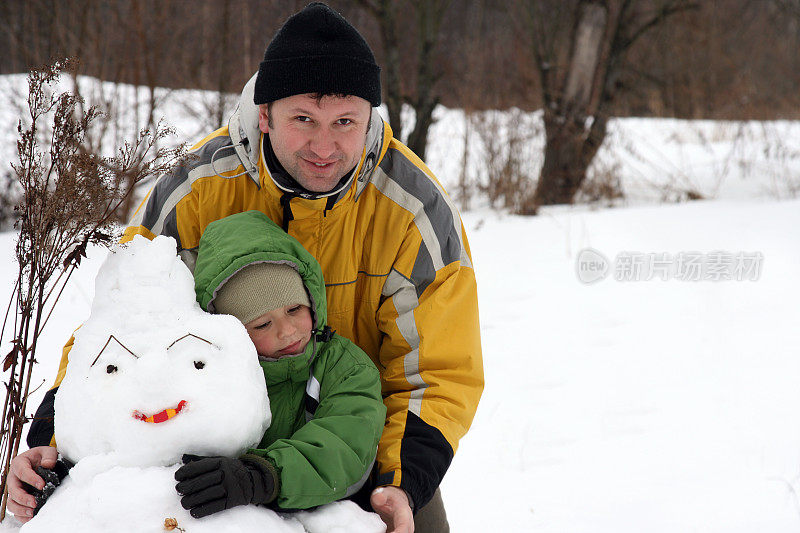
(151, 376)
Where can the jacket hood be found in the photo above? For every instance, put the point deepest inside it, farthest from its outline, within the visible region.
(246, 137)
(231, 243)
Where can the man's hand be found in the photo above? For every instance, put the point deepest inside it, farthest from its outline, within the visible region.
(22, 470)
(394, 508)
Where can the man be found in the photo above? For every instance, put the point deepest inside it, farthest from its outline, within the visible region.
(307, 147)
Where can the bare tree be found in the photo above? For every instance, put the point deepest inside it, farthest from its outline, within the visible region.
(423, 100)
(385, 13)
(579, 49)
(430, 15)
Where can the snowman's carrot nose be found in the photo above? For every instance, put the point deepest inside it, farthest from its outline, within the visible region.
(163, 416)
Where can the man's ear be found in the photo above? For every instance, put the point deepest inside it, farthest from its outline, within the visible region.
(263, 118)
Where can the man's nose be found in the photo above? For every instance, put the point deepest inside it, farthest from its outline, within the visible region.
(323, 144)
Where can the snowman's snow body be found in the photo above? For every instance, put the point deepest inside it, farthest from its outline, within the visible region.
(151, 377)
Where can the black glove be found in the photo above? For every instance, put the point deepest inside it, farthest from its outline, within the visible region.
(212, 484)
(52, 479)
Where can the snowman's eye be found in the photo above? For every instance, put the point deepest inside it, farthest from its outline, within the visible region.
(111, 369)
(199, 365)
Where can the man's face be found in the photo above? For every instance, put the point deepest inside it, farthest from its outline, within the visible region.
(317, 141)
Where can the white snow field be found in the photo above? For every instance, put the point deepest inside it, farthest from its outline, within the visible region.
(658, 405)
(630, 406)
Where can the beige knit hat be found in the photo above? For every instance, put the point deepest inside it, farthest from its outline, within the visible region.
(258, 288)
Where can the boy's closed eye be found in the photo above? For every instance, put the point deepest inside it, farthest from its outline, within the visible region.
(290, 311)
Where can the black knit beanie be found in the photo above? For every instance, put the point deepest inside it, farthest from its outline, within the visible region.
(318, 51)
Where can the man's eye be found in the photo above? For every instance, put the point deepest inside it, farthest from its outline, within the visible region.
(344, 121)
(302, 118)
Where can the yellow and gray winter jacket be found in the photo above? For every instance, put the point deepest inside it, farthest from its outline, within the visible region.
(397, 266)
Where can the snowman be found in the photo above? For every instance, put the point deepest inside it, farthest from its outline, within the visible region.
(152, 377)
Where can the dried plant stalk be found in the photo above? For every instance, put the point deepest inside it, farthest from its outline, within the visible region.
(70, 196)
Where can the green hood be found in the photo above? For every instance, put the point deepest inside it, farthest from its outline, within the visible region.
(231, 243)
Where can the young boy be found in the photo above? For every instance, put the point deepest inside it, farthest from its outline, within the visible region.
(324, 391)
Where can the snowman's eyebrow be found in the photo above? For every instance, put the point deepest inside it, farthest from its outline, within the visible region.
(106, 345)
(191, 335)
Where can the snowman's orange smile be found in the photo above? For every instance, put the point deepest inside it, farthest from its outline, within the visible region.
(163, 416)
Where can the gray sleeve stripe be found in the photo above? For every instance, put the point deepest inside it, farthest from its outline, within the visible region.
(435, 215)
(169, 213)
(423, 273)
(392, 190)
(185, 187)
(171, 227)
(177, 184)
(404, 297)
(439, 224)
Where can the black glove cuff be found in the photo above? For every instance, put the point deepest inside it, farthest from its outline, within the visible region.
(266, 482)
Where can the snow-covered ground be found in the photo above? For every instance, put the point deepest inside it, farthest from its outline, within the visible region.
(620, 405)
(629, 406)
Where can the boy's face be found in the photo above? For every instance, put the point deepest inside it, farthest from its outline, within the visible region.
(281, 332)
(317, 141)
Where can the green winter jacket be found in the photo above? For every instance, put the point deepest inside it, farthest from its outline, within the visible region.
(327, 411)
